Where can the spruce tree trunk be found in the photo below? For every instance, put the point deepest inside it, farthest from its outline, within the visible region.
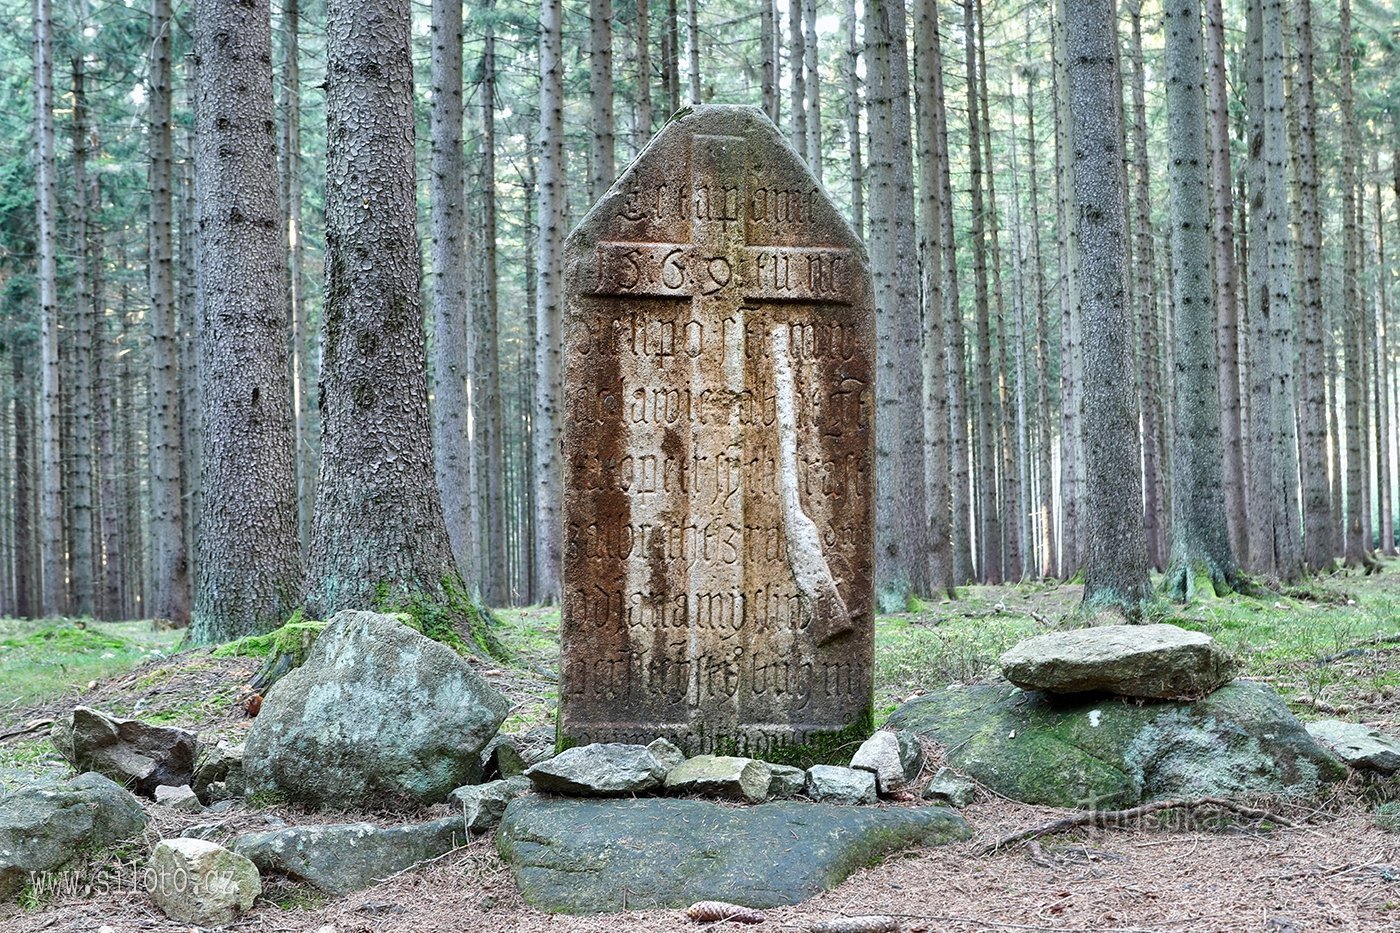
(602, 153)
(1044, 496)
(672, 53)
(1116, 557)
(935, 364)
(378, 530)
(851, 73)
(1226, 282)
(1319, 549)
(812, 87)
(169, 570)
(902, 547)
(249, 581)
(1150, 387)
(797, 53)
(1384, 411)
(80, 459)
(453, 460)
(488, 379)
(113, 582)
(1072, 541)
(693, 48)
(645, 119)
(1355, 543)
(26, 601)
(1201, 554)
(766, 34)
(547, 425)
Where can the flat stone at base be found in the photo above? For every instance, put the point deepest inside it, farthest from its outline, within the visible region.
(588, 856)
(835, 784)
(1104, 753)
(786, 781)
(1159, 661)
(1359, 746)
(721, 776)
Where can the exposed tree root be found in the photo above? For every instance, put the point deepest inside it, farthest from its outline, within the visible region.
(1103, 818)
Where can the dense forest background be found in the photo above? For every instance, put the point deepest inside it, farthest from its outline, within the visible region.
(941, 131)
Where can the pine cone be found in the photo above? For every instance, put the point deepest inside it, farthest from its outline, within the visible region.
(873, 924)
(710, 911)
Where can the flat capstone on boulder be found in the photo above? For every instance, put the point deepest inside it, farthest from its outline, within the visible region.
(1154, 661)
(606, 769)
(132, 753)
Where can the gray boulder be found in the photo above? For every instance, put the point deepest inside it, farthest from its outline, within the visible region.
(599, 770)
(200, 882)
(218, 775)
(1105, 753)
(1357, 745)
(950, 788)
(666, 752)
(377, 713)
(483, 805)
(1155, 661)
(44, 825)
(178, 798)
(721, 776)
(895, 758)
(347, 857)
(833, 784)
(786, 781)
(588, 856)
(128, 751)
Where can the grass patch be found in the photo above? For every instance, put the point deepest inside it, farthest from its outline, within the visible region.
(45, 658)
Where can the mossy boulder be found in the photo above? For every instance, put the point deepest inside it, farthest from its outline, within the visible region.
(377, 715)
(1107, 752)
(591, 856)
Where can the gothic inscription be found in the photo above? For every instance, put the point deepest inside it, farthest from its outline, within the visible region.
(719, 452)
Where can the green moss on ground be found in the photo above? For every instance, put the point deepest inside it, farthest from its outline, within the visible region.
(45, 658)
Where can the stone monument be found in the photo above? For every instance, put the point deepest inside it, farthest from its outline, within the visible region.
(719, 450)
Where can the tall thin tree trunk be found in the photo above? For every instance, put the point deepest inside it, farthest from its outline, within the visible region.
(812, 87)
(547, 424)
(851, 73)
(645, 119)
(379, 532)
(51, 556)
(1201, 555)
(1353, 352)
(492, 549)
(26, 604)
(304, 411)
(1044, 493)
(453, 447)
(927, 42)
(1149, 373)
(1066, 224)
(169, 571)
(671, 53)
(1384, 473)
(1116, 558)
(766, 30)
(692, 20)
(602, 153)
(1016, 455)
(80, 458)
(797, 89)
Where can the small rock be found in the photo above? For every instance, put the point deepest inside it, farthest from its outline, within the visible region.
(377, 712)
(786, 781)
(833, 784)
(599, 770)
(482, 805)
(501, 759)
(199, 882)
(221, 806)
(178, 798)
(666, 752)
(1154, 661)
(721, 776)
(950, 788)
(345, 857)
(1357, 745)
(44, 825)
(219, 773)
(895, 758)
(128, 751)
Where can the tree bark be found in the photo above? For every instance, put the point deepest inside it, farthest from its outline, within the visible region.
(851, 73)
(766, 34)
(602, 154)
(379, 534)
(1385, 463)
(1353, 348)
(1116, 558)
(645, 119)
(249, 579)
(1072, 529)
(693, 48)
(80, 459)
(492, 549)
(812, 87)
(1045, 522)
(797, 89)
(1201, 554)
(547, 426)
(26, 602)
(928, 101)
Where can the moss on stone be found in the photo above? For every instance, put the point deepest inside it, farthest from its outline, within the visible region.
(293, 638)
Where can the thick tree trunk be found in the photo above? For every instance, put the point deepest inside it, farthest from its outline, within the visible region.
(929, 103)
(1116, 558)
(169, 571)
(488, 378)
(547, 423)
(379, 533)
(453, 447)
(1154, 512)
(602, 154)
(1201, 554)
(1319, 549)
(901, 548)
(250, 580)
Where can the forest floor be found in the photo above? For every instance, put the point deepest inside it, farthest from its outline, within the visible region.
(1331, 649)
